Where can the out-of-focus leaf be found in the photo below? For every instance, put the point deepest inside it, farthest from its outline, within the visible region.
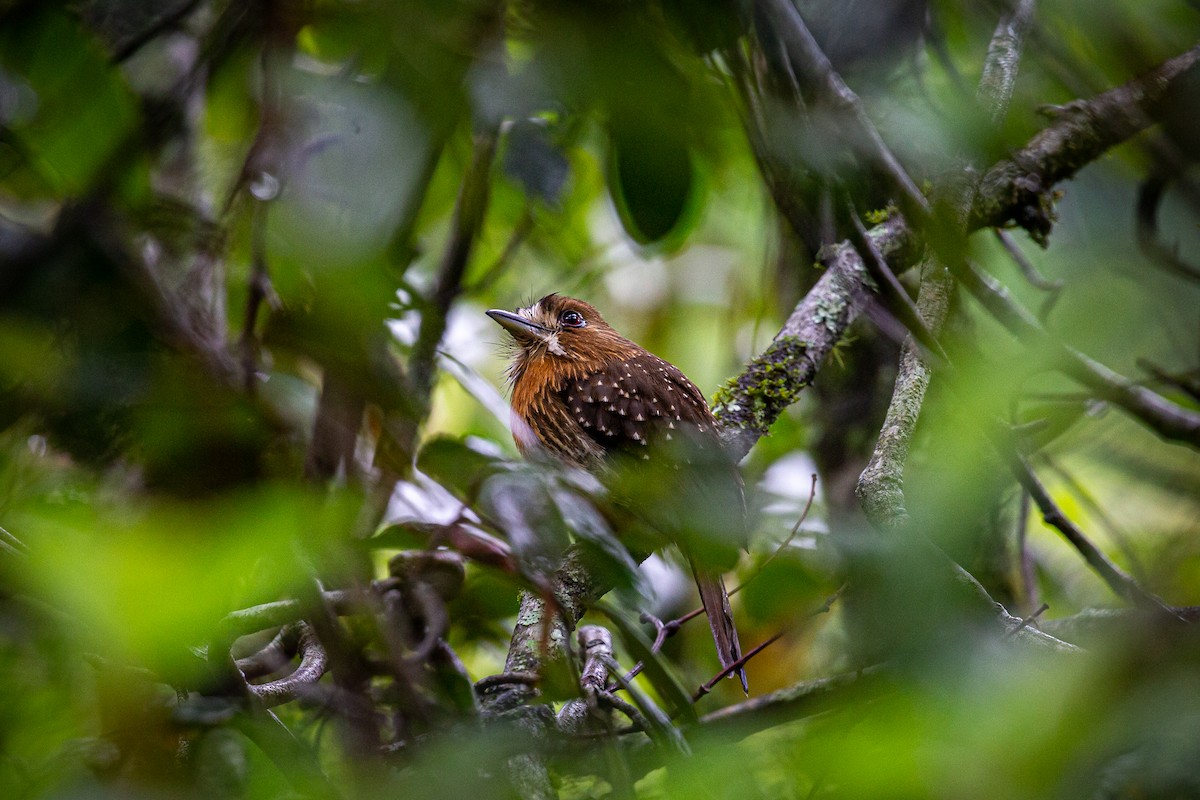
(690, 494)
(654, 184)
(784, 589)
(146, 584)
(532, 160)
(82, 108)
(588, 525)
(456, 465)
(488, 600)
(532, 523)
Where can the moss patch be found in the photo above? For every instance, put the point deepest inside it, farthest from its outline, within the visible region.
(769, 384)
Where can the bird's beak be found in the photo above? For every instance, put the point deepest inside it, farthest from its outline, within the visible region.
(517, 325)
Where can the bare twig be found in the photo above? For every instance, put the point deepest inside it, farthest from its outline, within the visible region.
(656, 723)
(1035, 278)
(729, 670)
(896, 298)
(1189, 384)
(12, 544)
(1029, 587)
(795, 702)
(1150, 196)
(1026, 621)
(812, 494)
(736, 665)
(258, 291)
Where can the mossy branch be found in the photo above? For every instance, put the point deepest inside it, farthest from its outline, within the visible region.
(749, 404)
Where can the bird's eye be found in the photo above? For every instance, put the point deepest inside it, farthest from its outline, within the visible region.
(572, 319)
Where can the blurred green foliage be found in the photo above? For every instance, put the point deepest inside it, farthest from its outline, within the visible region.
(224, 225)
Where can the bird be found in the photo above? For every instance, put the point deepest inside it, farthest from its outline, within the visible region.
(589, 397)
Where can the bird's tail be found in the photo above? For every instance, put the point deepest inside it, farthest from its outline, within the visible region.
(720, 619)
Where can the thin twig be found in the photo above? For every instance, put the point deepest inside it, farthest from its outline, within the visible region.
(896, 297)
(735, 666)
(658, 724)
(1117, 579)
(1029, 587)
(1093, 506)
(1025, 621)
(12, 544)
(257, 291)
(729, 670)
(1035, 278)
(1189, 384)
(812, 494)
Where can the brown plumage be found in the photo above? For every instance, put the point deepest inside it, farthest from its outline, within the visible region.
(583, 393)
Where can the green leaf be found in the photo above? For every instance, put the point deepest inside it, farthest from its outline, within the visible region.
(654, 184)
(456, 465)
(78, 111)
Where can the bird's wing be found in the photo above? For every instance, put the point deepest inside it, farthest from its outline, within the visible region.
(634, 406)
(636, 401)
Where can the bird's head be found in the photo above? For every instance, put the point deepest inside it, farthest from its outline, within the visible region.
(561, 332)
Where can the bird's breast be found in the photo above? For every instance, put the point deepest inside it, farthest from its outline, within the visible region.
(542, 421)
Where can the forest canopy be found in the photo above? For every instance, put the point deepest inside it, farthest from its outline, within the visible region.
(264, 529)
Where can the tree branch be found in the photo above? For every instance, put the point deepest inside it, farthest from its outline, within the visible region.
(880, 487)
(313, 663)
(1116, 578)
(543, 625)
(795, 702)
(1018, 188)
